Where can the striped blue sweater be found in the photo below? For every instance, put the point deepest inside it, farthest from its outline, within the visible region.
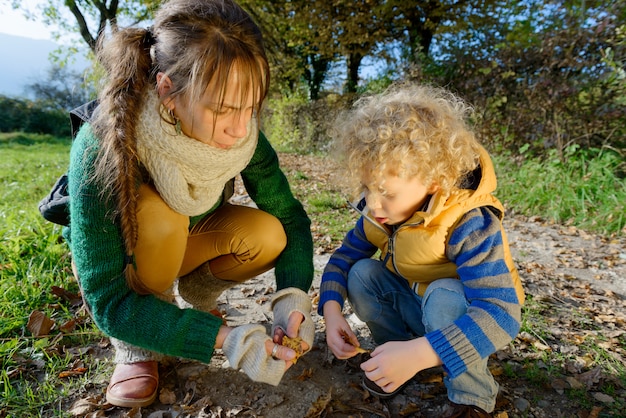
(477, 248)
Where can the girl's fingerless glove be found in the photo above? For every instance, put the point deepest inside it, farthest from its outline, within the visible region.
(245, 349)
(287, 301)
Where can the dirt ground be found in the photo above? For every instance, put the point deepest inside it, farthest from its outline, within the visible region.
(576, 282)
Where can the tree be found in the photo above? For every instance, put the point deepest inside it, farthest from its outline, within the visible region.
(545, 75)
(63, 89)
(92, 19)
(299, 41)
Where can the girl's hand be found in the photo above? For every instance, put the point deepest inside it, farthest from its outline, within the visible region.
(293, 327)
(292, 318)
(280, 352)
(339, 336)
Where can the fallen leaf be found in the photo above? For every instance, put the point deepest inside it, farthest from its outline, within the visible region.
(346, 338)
(71, 297)
(591, 377)
(82, 407)
(306, 374)
(319, 406)
(68, 327)
(595, 412)
(496, 370)
(603, 397)
(410, 408)
(167, 397)
(74, 372)
(559, 385)
(295, 344)
(574, 383)
(39, 324)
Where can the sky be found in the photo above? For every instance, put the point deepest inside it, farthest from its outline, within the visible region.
(13, 22)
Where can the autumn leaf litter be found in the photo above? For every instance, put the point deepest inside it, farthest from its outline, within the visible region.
(576, 287)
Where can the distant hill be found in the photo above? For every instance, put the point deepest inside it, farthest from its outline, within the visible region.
(25, 61)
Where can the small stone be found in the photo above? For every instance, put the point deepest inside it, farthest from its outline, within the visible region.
(521, 404)
(602, 397)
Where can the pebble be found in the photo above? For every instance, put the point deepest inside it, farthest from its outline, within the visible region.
(521, 404)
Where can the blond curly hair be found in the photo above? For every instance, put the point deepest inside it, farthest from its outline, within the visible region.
(410, 131)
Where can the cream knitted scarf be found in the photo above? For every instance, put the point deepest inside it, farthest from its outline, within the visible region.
(189, 175)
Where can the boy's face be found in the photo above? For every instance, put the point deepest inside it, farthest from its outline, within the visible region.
(392, 199)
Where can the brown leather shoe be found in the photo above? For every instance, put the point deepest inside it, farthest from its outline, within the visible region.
(134, 385)
(455, 410)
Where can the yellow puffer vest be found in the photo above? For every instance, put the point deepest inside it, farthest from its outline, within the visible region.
(416, 250)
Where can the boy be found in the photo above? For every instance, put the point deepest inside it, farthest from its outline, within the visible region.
(444, 290)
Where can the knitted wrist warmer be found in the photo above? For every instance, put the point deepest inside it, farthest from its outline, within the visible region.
(290, 300)
(126, 353)
(245, 349)
(201, 288)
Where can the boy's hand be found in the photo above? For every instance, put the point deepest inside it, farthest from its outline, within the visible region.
(395, 362)
(339, 336)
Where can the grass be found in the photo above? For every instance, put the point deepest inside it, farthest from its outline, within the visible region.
(549, 361)
(585, 188)
(33, 260)
(585, 192)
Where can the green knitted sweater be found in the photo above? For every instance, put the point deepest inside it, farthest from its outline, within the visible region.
(144, 320)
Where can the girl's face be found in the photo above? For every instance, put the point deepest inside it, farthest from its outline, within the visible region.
(392, 200)
(207, 121)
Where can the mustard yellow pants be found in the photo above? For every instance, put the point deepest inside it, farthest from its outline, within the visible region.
(239, 242)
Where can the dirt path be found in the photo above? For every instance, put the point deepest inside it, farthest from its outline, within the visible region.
(576, 286)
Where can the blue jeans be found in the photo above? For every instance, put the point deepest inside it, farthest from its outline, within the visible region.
(394, 312)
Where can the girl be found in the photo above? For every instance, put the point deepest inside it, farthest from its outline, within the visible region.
(150, 174)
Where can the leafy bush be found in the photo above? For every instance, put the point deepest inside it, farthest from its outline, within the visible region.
(295, 124)
(33, 117)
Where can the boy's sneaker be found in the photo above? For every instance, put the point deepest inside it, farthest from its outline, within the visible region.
(455, 410)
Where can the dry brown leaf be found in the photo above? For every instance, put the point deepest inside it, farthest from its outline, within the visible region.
(346, 338)
(306, 374)
(68, 327)
(574, 383)
(295, 344)
(78, 371)
(595, 412)
(603, 397)
(39, 324)
(84, 406)
(133, 413)
(496, 370)
(319, 406)
(410, 408)
(591, 377)
(74, 298)
(167, 397)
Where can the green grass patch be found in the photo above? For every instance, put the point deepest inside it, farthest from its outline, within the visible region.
(584, 188)
(33, 261)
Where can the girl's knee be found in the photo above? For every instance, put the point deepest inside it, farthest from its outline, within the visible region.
(270, 236)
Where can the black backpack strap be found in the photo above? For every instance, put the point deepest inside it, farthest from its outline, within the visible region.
(55, 206)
